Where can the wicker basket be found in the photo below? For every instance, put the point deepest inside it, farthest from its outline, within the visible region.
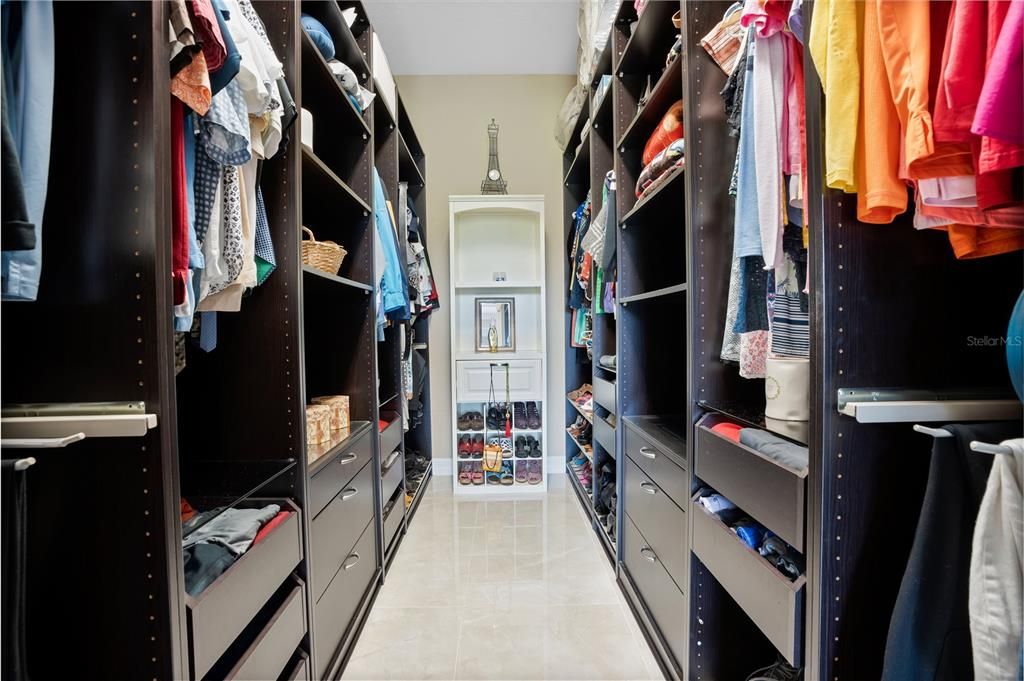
(325, 256)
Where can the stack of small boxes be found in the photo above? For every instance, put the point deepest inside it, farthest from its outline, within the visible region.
(327, 418)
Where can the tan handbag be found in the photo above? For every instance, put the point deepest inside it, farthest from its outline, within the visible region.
(787, 389)
(492, 458)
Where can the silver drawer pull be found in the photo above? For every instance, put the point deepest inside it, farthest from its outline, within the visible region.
(348, 458)
(648, 487)
(648, 555)
(646, 451)
(348, 565)
(349, 493)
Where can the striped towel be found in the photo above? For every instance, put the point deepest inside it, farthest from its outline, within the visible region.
(724, 40)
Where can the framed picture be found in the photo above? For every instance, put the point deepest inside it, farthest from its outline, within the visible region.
(495, 324)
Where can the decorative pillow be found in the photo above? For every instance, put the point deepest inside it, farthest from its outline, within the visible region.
(669, 130)
(320, 36)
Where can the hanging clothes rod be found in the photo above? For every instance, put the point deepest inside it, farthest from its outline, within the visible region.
(895, 405)
(57, 424)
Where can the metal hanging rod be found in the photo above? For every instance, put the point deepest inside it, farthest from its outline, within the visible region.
(896, 405)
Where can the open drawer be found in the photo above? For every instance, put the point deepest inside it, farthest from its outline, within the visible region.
(604, 433)
(390, 437)
(773, 603)
(274, 646)
(391, 477)
(768, 491)
(604, 393)
(219, 614)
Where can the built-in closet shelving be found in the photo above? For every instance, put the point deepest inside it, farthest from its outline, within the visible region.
(229, 428)
(698, 592)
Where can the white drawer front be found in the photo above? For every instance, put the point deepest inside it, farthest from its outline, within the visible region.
(473, 380)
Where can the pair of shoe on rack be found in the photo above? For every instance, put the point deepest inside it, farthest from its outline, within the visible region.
(531, 472)
(502, 443)
(527, 415)
(585, 475)
(577, 462)
(527, 447)
(583, 397)
(471, 447)
(470, 474)
(780, 671)
(581, 431)
(502, 477)
(471, 420)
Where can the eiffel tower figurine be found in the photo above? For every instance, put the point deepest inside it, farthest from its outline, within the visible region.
(494, 183)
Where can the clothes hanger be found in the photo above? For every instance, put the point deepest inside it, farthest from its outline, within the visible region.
(976, 445)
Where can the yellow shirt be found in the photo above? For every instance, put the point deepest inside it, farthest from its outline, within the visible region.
(834, 43)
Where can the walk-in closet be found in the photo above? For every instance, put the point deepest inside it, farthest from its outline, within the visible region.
(700, 356)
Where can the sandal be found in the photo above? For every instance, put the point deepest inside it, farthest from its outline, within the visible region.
(586, 388)
(521, 471)
(533, 415)
(465, 477)
(476, 420)
(535, 474)
(478, 476)
(476, 450)
(506, 447)
(677, 20)
(534, 452)
(464, 421)
(465, 446)
(506, 474)
(519, 412)
(493, 478)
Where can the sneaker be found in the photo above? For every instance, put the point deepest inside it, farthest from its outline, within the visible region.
(780, 671)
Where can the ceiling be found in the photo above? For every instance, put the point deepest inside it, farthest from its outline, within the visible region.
(464, 37)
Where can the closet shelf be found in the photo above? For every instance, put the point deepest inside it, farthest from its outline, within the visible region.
(321, 455)
(388, 400)
(653, 295)
(589, 417)
(318, 177)
(383, 119)
(926, 411)
(579, 171)
(324, 97)
(666, 92)
(590, 455)
(408, 170)
(68, 427)
(407, 131)
(499, 284)
(602, 121)
(753, 417)
(498, 356)
(577, 129)
(651, 39)
(316, 274)
(417, 495)
(346, 47)
(603, 65)
(669, 190)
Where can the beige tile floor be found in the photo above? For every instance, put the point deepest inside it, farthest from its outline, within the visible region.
(500, 589)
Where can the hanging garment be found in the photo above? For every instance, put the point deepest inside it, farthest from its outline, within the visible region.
(1000, 113)
(28, 77)
(833, 42)
(266, 261)
(207, 30)
(219, 78)
(996, 589)
(929, 633)
(19, 234)
(768, 153)
(179, 205)
(730, 339)
(611, 218)
(724, 41)
(747, 234)
(394, 296)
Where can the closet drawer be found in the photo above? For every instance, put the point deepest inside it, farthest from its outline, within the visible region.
(604, 393)
(663, 600)
(394, 521)
(390, 437)
(335, 530)
(773, 603)
(298, 670)
(473, 380)
(333, 614)
(392, 477)
(657, 465)
(329, 480)
(767, 491)
(604, 434)
(662, 523)
(270, 653)
(218, 614)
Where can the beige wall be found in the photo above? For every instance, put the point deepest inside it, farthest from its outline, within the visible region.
(451, 114)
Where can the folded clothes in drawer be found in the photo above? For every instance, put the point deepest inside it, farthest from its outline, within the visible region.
(773, 602)
(767, 489)
(233, 565)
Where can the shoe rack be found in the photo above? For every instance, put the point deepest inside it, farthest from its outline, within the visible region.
(497, 253)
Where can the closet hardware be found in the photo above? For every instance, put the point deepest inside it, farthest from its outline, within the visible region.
(349, 566)
(105, 425)
(648, 487)
(647, 452)
(895, 405)
(348, 494)
(986, 448)
(348, 458)
(648, 554)
(22, 464)
(41, 442)
(934, 432)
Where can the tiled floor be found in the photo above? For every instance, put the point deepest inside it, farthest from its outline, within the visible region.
(500, 590)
